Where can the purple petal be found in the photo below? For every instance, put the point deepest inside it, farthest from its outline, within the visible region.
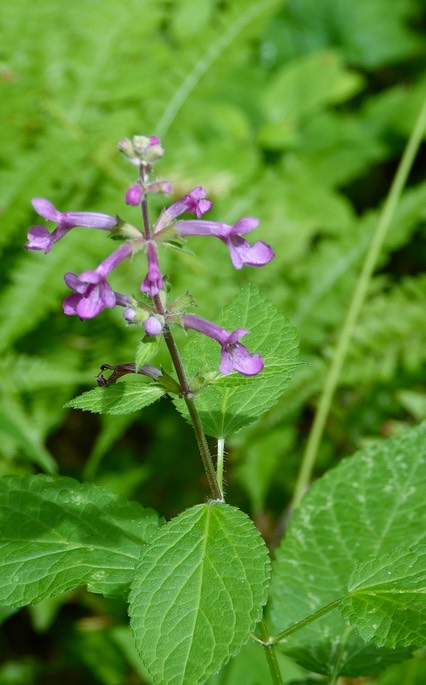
(89, 276)
(91, 305)
(39, 238)
(202, 227)
(238, 358)
(49, 212)
(244, 225)
(73, 282)
(88, 299)
(89, 220)
(70, 304)
(236, 335)
(46, 209)
(242, 253)
(96, 298)
(152, 286)
(196, 202)
(196, 323)
(153, 281)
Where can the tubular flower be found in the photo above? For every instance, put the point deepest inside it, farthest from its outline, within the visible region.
(39, 237)
(153, 281)
(194, 202)
(92, 292)
(234, 356)
(240, 250)
(119, 370)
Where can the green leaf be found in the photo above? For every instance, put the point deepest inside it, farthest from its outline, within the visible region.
(235, 400)
(387, 602)
(198, 591)
(57, 534)
(365, 508)
(15, 424)
(129, 394)
(301, 88)
(369, 33)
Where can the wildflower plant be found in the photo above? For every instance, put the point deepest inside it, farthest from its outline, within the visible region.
(347, 587)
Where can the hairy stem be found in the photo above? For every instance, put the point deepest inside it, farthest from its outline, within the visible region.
(180, 372)
(357, 301)
(192, 409)
(219, 461)
(271, 655)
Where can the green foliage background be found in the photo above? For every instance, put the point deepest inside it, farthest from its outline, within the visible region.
(296, 112)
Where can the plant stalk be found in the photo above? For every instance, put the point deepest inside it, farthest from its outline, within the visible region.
(271, 655)
(220, 461)
(203, 447)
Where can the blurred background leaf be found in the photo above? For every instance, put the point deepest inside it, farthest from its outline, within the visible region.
(296, 112)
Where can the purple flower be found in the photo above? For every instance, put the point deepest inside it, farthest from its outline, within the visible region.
(92, 292)
(240, 250)
(153, 281)
(39, 237)
(234, 356)
(194, 202)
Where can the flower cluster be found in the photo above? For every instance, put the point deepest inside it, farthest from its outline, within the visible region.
(91, 291)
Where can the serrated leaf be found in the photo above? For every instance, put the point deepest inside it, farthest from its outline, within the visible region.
(57, 534)
(368, 506)
(124, 397)
(235, 401)
(198, 591)
(387, 602)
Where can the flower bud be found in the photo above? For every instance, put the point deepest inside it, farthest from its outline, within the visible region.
(152, 326)
(148, 148)
(134, 195)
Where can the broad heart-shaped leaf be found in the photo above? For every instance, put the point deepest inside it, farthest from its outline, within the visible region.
(57, 534)
(198, 591)
(365, 508)
(387, 601)
(237, 400)
(129, 394)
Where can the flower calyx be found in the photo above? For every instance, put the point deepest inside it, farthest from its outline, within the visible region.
(120, 370)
